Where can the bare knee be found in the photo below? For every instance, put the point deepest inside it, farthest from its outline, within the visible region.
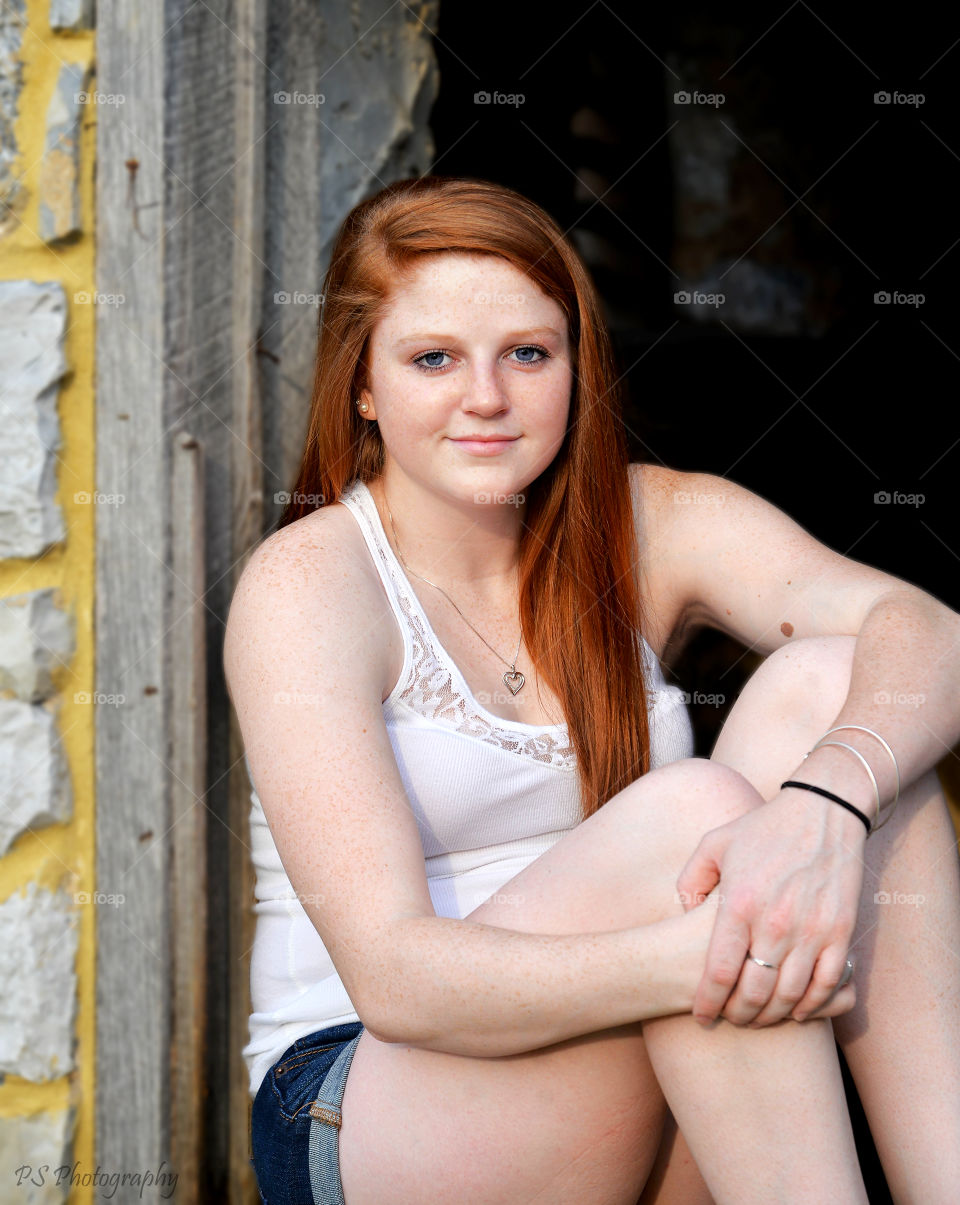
(692, 796)
(815, 669)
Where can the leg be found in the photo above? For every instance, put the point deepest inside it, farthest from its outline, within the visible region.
(901, 1040)
(581, 1120)
(675, 1178)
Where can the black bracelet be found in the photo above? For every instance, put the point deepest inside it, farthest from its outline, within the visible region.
(829, 795)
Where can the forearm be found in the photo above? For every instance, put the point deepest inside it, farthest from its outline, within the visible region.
(904, 686)
(464, 987)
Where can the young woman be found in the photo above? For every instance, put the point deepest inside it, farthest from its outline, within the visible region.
(562, 959)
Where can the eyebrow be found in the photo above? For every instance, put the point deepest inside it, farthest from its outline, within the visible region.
(432, 336)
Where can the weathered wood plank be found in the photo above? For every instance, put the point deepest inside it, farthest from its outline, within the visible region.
(132, 584)
(188, 865)
(251, 131)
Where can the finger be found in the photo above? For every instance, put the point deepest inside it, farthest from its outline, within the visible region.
(756, 985)
(725, 955)
(842, 1000)
(827, 974)
(793, 980)
(700, 874)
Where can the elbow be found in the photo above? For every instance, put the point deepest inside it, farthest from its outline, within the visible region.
(388, 1024)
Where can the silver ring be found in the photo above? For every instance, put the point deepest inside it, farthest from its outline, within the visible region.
(761, 963)
(847, 972)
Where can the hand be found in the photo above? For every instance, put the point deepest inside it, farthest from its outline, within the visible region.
(698, 923)
(791, 880)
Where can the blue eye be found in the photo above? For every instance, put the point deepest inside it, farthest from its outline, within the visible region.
(529, 347)
(421, 360)
(421, 363)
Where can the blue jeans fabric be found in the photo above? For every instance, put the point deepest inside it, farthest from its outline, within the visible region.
(294, 1125)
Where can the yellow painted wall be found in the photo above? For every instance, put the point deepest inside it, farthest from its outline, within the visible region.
(62, 855)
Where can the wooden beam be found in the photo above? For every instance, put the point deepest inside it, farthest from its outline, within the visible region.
(132, 773)
(247, 470)
(188, 829)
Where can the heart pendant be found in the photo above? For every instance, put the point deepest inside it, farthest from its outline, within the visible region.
(510, 678)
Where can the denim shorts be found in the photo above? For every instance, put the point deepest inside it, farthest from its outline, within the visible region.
(295, 1122)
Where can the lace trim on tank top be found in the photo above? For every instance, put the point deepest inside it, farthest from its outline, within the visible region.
(429, 687)
(430, 691)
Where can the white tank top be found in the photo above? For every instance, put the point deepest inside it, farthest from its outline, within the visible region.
(489, 796)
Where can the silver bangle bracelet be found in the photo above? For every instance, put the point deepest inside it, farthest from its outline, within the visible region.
(866, 766)
(896, 768)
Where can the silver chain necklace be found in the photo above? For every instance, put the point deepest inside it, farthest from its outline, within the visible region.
(513, 680)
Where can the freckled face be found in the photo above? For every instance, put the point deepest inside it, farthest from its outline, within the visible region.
(470, 346)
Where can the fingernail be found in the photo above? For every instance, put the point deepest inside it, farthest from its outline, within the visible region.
(800, 1016)
(704, 1021)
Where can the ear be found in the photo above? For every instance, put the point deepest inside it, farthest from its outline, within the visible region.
(366, 396)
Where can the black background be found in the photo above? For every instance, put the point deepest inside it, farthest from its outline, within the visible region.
(816, 423)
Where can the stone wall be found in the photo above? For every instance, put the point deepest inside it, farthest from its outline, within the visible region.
(46, 573)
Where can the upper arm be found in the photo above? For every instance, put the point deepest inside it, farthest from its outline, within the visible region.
(306, 681)
(727, 558)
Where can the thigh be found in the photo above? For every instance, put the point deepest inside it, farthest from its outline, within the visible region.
(575, 1121)
(675, 1178)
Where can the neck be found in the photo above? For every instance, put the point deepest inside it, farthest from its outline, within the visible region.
(457, 545)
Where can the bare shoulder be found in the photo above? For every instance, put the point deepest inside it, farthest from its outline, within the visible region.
(308, 583)
(657, 490)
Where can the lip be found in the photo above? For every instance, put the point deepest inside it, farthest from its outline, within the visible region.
(485, 445)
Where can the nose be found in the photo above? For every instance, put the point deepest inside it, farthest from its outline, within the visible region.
(485, 393)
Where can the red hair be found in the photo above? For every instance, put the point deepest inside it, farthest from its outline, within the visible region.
(580, 600)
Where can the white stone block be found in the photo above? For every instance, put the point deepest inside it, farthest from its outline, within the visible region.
(60, 167)
(32, 327)
(12, 193)
(35, 1157)
(38, 984)
(69, 16)
(36, 638)
(34, 780)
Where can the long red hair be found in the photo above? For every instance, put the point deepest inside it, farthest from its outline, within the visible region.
(580, 598)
